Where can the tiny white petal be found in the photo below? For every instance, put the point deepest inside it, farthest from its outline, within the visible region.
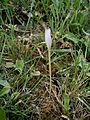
(48, 38)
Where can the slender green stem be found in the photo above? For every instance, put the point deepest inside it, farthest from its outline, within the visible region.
(49, 55)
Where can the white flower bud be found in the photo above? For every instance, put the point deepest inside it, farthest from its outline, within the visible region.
(48, 38)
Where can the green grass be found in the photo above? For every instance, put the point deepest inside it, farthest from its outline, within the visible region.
(24, 64)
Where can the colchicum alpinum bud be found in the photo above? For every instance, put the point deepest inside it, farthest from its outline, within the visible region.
(48, 38)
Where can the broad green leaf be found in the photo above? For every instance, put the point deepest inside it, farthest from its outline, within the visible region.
(19, 65)
(4, 1)
(81, 17)
(4, 82)
(62, 50)
(66, 102)
(77, 4)
(72, 37)
(4, 90)
(2, 114)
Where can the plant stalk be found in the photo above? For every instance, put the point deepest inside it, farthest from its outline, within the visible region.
(49, 55)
